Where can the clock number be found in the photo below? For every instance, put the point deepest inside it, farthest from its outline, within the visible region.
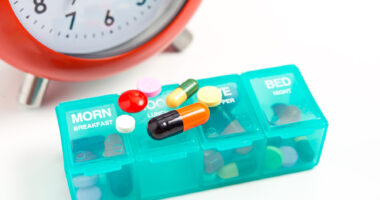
(141, 2)
(40, 6)
(109, 19)
(72, 15)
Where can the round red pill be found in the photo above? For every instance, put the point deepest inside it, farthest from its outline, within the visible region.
(133, 101)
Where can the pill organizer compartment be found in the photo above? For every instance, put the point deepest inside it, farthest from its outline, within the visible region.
(116, 184)
(231, 140)
(292, 121)
(98, 159)
(92, 136)
(168, 166)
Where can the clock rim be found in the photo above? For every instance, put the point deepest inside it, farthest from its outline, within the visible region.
(21, 50)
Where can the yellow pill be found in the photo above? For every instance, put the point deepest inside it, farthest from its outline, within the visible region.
(182, 93)
(176, 98)
(210, 95)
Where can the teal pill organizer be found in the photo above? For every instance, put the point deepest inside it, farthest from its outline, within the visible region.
(268, 124)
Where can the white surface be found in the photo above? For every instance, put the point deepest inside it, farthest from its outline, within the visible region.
(90, 19)
(335, 44)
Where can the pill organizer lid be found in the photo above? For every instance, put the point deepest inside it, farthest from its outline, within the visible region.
(90, 121)
(282, 86)
(175, 147)
(236, 105)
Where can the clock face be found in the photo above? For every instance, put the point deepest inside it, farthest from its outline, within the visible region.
(94, 28)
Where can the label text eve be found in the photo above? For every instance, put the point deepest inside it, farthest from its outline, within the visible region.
(226, 91)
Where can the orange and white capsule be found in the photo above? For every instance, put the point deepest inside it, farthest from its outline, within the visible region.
(178, 121)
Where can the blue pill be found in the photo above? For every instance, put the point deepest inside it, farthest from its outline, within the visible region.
(290, 156)
(85, 181)
(91, 193)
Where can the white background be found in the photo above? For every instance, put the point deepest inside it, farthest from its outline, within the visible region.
(335, 43)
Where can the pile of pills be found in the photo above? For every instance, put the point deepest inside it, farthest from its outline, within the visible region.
(188, 117)
(175, 121)
(286, 155)
(134, 101)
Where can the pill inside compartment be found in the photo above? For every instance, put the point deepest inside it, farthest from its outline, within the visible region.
(285, 107)
(167, 166)
(231, 140)
(283, 154)
(97, 151)
(114, 184)
(93, 136)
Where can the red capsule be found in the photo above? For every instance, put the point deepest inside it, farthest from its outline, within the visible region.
(133, 101)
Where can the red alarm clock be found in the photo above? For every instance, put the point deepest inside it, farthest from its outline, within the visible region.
(78, 40)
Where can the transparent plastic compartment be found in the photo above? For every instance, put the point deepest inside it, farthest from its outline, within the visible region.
(281, 97)
(166, 166)
(293, 124)
(284, 155)
(118, 184)
(92, 136)
(231, 140)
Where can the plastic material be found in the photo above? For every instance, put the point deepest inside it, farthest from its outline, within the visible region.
(35, 58)
(267, 124)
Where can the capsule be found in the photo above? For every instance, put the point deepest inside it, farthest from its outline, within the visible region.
(182, 93)
(178, 121)
(304, 148)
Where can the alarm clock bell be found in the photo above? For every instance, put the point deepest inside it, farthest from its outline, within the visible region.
(64, 39)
